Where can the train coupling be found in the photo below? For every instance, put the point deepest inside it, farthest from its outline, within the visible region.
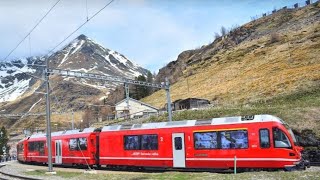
(300, 165)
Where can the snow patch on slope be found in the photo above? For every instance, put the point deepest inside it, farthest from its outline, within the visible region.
(119, 57)
(14, 91)
(75, 45)
(78, 46)
(32, 107)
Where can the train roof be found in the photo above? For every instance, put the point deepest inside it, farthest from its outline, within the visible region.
(59, 133)
(187, 123)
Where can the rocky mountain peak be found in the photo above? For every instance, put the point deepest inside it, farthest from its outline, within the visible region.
(82, 37)
(84, 54)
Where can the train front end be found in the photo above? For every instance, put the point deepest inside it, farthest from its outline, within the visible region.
(302, 164)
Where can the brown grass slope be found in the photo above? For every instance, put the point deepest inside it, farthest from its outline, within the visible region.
(247, 65)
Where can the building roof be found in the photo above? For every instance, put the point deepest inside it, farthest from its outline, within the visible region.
(182, 100)
(131, 99)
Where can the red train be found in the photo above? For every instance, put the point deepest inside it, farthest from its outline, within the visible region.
(260, 141)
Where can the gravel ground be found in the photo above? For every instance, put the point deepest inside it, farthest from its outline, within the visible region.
(13, 167)
(16, 168)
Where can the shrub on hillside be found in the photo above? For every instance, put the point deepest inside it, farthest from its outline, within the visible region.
(223, 31)
(275, 37)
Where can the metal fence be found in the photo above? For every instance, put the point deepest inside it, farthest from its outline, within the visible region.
(294, 6)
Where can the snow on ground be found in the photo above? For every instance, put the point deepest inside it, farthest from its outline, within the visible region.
(134, 73)
(16, 70)
(17, 88)
(32, 107)
(13, 92)
(94, 86)
(85, 70)
(106, 50)
(119, 57)
(76, 45)
(113, 65)
(102, 97)
(79, 45)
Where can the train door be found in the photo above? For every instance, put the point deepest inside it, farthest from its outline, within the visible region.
(178, 148)
(97, 149)
(58, 155)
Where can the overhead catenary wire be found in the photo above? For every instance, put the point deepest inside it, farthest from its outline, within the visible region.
(28, 34)
(30, 45)
(88, 19)
(87, 10)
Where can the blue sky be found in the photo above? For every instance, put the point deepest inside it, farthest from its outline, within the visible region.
(148, 32)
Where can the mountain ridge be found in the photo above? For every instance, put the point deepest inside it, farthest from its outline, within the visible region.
(18, 90)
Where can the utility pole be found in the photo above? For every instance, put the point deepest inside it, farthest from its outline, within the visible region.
(168, 99)
(48, 118)
(72, 125)
(126, 87)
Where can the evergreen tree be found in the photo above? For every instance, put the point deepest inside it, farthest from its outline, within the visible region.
(149, 80)
(4, 141)
(140, 91)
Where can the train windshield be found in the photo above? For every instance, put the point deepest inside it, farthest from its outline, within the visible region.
(292, 135)
(289, 130)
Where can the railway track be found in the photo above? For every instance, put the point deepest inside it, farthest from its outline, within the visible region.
(7, 176)
(315, 163)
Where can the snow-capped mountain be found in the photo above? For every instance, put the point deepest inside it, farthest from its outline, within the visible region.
(82, 54)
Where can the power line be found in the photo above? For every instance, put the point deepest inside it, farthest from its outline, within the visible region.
(87, 9)
(40, 65)
(31, 30)
(79, 27)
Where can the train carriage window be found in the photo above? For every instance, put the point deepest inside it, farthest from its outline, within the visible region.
(149, 142)
(36, 146)
(73, 144)
(264, 138)
(205, 140)
(234, 139)
(280, 139)
(31, 146)
(82, 143)
(178, 143)
(132, 142)
(41, 148)
(77, 144)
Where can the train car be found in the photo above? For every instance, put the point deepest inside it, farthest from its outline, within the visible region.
(76, 148)
(260, 141)
(36, 151)
(21, 150)
(71, 147)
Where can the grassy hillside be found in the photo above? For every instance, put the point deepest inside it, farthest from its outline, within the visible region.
(275, 71)
(258, 68)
